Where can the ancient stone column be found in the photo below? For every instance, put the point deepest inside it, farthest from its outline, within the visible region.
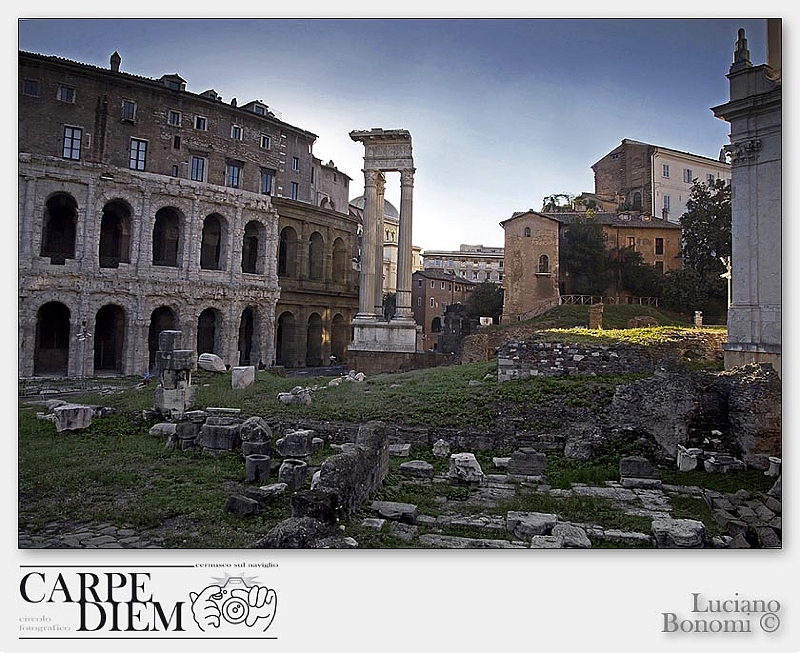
(366, 296)
(404, 250)
(380, 185)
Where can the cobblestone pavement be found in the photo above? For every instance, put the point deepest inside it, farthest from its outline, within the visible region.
(68, 535)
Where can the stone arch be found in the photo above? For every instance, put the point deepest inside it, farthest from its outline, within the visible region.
(161, 319)
(436, 325)
(253, 247)
(167, 241)
(248, 337)
(340, 336)
(287, 253)
(316, 256)
(115, 234)
(314, 334)
(212, 242)
(341, 262)
(544, 264)
(51, 355)
(109, 338)
(285, 340)
(209, 332)
(59, 228)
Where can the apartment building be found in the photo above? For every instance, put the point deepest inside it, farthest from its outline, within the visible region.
(471, 262)
(432, 291)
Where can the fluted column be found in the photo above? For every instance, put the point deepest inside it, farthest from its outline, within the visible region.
(366, 295)
(380, 185)
(404, 251)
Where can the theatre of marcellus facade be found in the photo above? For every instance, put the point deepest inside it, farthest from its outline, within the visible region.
(145, 207)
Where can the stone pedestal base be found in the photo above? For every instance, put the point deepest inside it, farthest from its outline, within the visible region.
(737, 354)
(399, 335)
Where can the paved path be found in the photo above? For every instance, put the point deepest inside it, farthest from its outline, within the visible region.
(69, 535)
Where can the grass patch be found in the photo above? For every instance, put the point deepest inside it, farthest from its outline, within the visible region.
(753, 480)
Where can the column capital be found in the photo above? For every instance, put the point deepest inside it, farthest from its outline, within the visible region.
(407, 177)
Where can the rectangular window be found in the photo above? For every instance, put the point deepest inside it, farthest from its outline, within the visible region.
(266, 142)
(138, 154)
(295, 164)
(665, 170)
(660, 246)
(631, 241)
(433, 302)
(66, 94)
(419, 301)
(175, 170)
(442, 285)
(687, 175)
(433, 284)
(419, 282)
(200, 123)
(236, 132)
(710, 178)
(128, 110)
(295, 190)
(30, 87)
(72, 143)
(198, 168)
(666, 203)
(267, 181)
(175, 118)
(659, 265)
(233, 175)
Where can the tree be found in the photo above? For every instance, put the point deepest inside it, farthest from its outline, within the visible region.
(557, 203)
(583, 256)
(706, 243)
(633, 274)
(486, 300)
(707, 228)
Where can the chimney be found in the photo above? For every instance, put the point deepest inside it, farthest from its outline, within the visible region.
(115, 61)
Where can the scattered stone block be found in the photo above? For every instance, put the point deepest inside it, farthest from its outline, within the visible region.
(373, 522)
(401, 450)
(211, 363)
(739, 542)
(250, 448)
(219, 437)
(396, 511)
(636, 467)
(293, 473)
(501, 462)
(405, 532)
(243, 377)
(296, 444)
(265, 494)
(317, 444)
(465, 470)
(163, 429)
(547, 542)
(527, 462)
(441, 449)
(72, 417)
(257, 467)
(524, 525)
(688, 459)
(679, 533)
(417, 469)
(767, 538)
(319, 504)
(242, 506)
(255, 429)
(574, 536)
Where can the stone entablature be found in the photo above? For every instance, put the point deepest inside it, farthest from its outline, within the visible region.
(522, 360)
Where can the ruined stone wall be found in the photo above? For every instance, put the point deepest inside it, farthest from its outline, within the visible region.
(521, 360)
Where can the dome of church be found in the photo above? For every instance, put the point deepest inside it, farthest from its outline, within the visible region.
(389, 210)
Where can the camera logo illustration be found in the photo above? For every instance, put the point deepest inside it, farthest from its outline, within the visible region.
(236, 603)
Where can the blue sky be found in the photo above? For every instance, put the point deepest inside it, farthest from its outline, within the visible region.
(502, 112)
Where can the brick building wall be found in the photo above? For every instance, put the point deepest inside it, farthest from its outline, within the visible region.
(431, 293)
(124, 233)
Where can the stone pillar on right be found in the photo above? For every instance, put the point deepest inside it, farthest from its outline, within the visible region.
(754, 113)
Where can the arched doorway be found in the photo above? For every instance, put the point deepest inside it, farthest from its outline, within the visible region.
(287, 253)
(254, 236)
(285, 334)
(340, 337)
(51, 355)
(115, 234)
(211, 243)
(161, 319)
(340, 268)
(60, 225)
(246, 339)
(316, 257)
(207, 332)
(314, 341)
(109, 338)
(167, 237)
